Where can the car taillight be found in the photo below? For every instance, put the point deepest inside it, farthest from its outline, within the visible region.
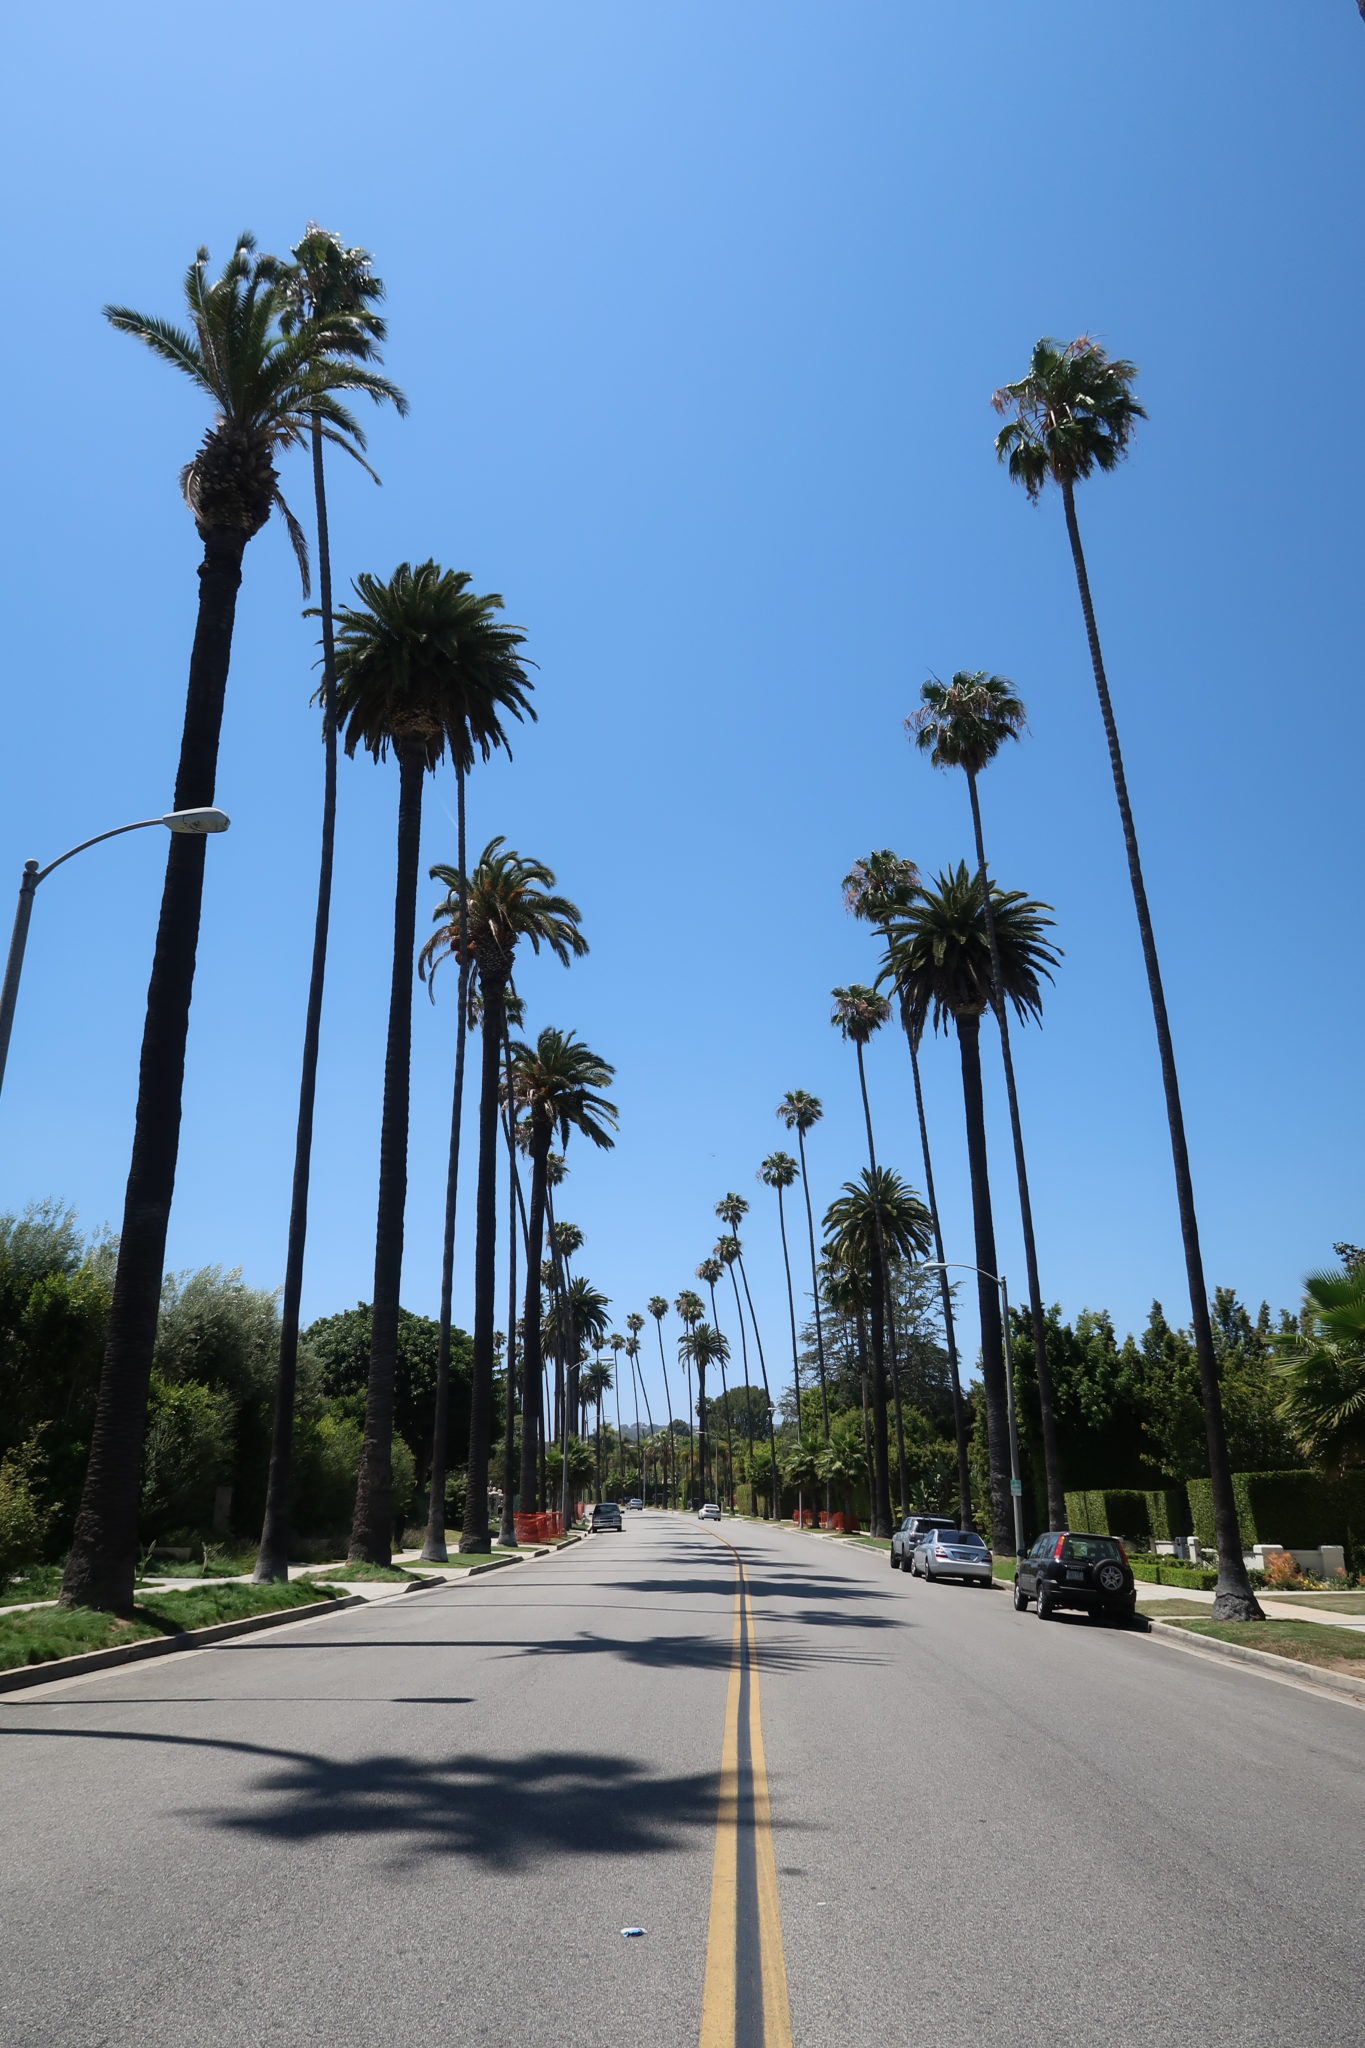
(1123, 1553)
(1057, 1553)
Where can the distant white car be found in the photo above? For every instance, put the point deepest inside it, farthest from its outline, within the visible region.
(635, 1502)
(709, 1511)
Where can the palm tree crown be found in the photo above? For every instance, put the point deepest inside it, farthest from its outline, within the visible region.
(732, 1209)
(657, 1307)
(778, 1170)
(508, 901)
(963, 724)
(880, 885)
(858, 1012)
(689, 1307)
(422, 659)
(799, 1111)
(851, 1222)
(938, 952)
(1073, 412)
(556, 1083)
(1323, 1370)
(266, 384)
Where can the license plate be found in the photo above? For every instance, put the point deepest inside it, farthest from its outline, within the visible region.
(1074, 1576)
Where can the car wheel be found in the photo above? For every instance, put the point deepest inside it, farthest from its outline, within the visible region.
(928, 1575)
(1020, 1599)
(1044, 1601)
(895, 1562)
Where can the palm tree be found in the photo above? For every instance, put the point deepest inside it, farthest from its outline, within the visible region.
(709, 1272)
(635, 1323)
(689, 1311)
(701, 1346)
(1073, 413)
(422, 666)
(617, 1344)
(557, 1086)
(876, 1218)
(731, 1210)
(800, 1112)
(857, 1013)
(596, 1380)
(874, 889)
(508, 900)
(938, 957)
(566, 1242)
(1322, 1368)
(725, 1254)
(266, 388)
(779, 1171)
(327, 284)
(964, 724)
(658, 1308)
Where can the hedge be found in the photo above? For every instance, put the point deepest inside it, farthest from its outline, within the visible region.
(1126, 1511)
(1301, 1510)
(1162, 1571)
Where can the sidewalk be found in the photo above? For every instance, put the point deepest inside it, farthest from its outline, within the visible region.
(1274, 1610)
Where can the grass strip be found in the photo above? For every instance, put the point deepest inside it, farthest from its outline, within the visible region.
(1307, 1642)
(49, 1632)
(1329, 1603)
(360, 1574)
(33, 1582)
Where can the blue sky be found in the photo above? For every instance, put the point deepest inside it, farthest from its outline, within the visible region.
(699, 308)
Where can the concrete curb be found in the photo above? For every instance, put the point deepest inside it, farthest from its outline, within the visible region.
(1266, 1660)
(164, 1646)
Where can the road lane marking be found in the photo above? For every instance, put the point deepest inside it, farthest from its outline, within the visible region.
(744, 1995)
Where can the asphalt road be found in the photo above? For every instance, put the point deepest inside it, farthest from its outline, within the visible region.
(427, 1821)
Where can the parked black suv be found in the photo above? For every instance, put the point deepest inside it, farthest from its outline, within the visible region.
(1071, 1569)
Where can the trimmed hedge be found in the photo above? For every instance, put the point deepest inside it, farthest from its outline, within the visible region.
(1126, 1511)
(1301, 1510)
(1163, 1571)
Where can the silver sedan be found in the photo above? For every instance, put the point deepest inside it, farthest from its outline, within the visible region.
(952, 1554)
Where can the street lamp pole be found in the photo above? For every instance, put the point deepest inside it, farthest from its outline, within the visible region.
(1016, 1484)
(199, 821)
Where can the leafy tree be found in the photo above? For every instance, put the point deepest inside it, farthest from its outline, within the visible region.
(187, 1455)
(265, 387)
(1072, 413)
(335, 289)
(1322, 1371)
(23, 1519)
(964, 724)
(337, 1350)
(938, 956)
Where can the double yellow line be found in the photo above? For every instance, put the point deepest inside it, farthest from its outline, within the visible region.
(744, 1997)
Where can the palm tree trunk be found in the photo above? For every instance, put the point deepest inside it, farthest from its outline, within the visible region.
(531, 1337)
(791, 1311)
(434, 1549)
(691, 1449)
(729, 1418)
(894, 1370)
(767, 1395)
(1233, 1599)
(879, 1400)
(1052, 1461)
(671, 1476)
(507, 1528)
(987, 1296)
(748, 1403)
(475, 1536)
(372, 1527)
(103, 1558)
(272, 1560)
(964, 1477)
(863, 1373)
(815, 1295)
(703, 1433)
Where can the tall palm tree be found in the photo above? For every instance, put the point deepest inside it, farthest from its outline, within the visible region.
(422, 666)
(617, 1344)
(635, 1323)
(779, 1171)
(801, 1112)
(658, 1308)
(326, 284)
(709, 1272)
(557, 1085)
(265, 388)
(938, 958)
(857, 1013)
(731, 1210)
(596, 1382)
(701, 1346)
(566, 1242)
(874, 889)
(516, 1135)
(1073, 412)
(509, 900)
(964, 724)
(689, 1310)
(724, 1256)
(877, 1217)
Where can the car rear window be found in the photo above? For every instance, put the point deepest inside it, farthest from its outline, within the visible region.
(961, 1539)
(1089, 1549)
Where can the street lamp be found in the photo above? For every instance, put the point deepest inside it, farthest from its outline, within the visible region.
(1016, 1484)
(194, 822)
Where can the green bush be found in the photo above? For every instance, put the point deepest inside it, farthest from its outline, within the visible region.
(1168, 1513)
(187, 1453)
(23, 1521)
(1113, 1511)
(1162, 1571)
(326, 1462)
